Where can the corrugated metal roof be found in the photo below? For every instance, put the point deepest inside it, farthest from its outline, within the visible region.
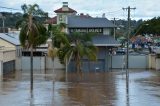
(104, 40)
(89, 22)
(11, 38)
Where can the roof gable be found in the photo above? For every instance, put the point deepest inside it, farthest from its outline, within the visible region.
(60, 10)
(51, 20)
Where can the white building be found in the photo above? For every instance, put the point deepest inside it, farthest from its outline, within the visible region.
(10, 50)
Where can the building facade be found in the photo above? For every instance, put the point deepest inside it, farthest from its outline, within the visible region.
(10, 50)
(83, 24)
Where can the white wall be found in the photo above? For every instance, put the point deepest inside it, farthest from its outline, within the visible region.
(6, 44)
(135, 61)
(1, 69)
(39, 63)
(157, 63)
(8, 55)
(106, 31)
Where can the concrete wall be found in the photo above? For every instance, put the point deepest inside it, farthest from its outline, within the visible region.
(157, 63)
(1, 69)
(57, 64)
(135, 61)
(6, 44)
(8, 55)
(154, 62)
(39, 63)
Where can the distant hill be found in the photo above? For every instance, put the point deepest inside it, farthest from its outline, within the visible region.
(10, 19)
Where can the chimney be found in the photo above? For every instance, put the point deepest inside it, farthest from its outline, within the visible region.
(103, 15)
(81, 14)
(65, 6)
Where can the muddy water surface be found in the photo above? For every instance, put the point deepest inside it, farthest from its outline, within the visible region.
(89, 89)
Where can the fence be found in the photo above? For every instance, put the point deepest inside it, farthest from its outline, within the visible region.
(39, 63)
(134, 61)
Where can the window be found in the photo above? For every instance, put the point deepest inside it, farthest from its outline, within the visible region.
(60, 17)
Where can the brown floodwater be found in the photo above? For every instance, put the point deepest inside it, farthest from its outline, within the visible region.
(87, 89)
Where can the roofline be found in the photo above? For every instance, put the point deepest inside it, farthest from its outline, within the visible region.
(57, 10)
(102, 44)
(89, 27)
(66, 12)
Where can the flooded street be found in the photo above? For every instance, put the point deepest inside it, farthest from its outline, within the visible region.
(89, 89)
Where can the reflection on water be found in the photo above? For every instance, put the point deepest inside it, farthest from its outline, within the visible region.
(89, 89)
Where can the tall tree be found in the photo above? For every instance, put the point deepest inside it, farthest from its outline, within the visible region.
(151, 26)
(80, 46)
(57, 40)
(32, 32)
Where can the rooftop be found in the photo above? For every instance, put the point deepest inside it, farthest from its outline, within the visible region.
(60, 10)
(11, 38)
(65, 9)
(105, 40)
(89, 22)
(51, 20)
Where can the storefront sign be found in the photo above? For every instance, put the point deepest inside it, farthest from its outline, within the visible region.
(85, 30)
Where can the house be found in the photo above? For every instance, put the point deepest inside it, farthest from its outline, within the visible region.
(10, 50)
(84, 23)
(103, 40)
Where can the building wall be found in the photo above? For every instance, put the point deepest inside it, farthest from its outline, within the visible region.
(135, 61)
(6, 44)
(62, 17)
(107, 31)
(101, 65)
(39, 63)
(7, 55)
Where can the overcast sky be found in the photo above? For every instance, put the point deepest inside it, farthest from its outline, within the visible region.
(145, 9)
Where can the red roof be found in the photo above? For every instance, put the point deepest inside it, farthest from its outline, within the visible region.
(62, 11)
(52, 20)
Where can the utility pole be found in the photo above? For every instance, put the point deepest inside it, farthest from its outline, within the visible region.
(114, 32)
(127, 71)
(129, 10)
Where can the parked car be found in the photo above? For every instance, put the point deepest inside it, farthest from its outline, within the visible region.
(121, 51)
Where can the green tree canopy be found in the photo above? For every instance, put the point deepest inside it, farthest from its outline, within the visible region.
(149, 27)
(32, 33)
(80, 46)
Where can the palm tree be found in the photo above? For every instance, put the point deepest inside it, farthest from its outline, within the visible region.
(80, 46)
(58, 40)
(32, 32)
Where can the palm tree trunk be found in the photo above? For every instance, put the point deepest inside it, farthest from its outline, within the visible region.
(31, 86)
(78, 63)
(31, 70)
(53, 68)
